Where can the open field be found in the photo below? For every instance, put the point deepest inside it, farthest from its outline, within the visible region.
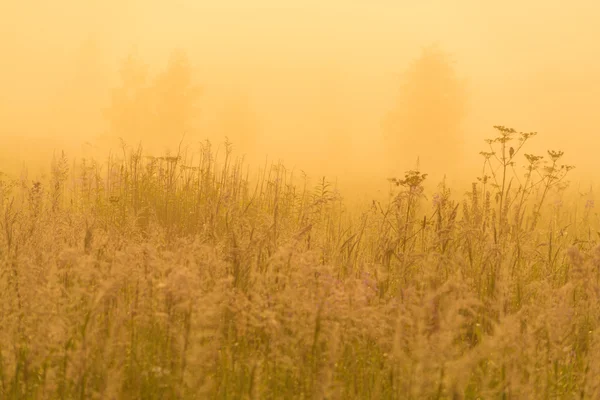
(267, 199)
(181, 278)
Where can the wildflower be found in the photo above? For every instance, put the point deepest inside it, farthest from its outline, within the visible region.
(437, 200)
(589, 204)
(558, 203)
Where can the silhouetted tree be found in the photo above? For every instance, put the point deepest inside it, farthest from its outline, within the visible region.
(426, 120)
(176, 98)
(154, 111)
(130, 111)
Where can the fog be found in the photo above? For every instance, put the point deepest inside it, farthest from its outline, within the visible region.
(305, 82)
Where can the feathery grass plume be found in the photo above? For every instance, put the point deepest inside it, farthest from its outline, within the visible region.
(190, 276)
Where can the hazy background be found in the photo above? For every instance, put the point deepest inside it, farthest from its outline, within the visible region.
(310, 81)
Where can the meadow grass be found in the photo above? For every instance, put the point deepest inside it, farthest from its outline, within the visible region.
(182, 277)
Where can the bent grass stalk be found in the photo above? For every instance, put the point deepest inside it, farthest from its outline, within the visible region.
(182, 277)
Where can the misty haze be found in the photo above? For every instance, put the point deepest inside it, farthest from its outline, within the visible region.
(283, 199)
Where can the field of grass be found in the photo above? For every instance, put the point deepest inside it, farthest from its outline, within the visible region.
(183, 277)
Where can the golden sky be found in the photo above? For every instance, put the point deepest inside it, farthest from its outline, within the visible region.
(306, 68)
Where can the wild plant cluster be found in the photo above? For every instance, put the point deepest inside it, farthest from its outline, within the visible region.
(182, 277)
